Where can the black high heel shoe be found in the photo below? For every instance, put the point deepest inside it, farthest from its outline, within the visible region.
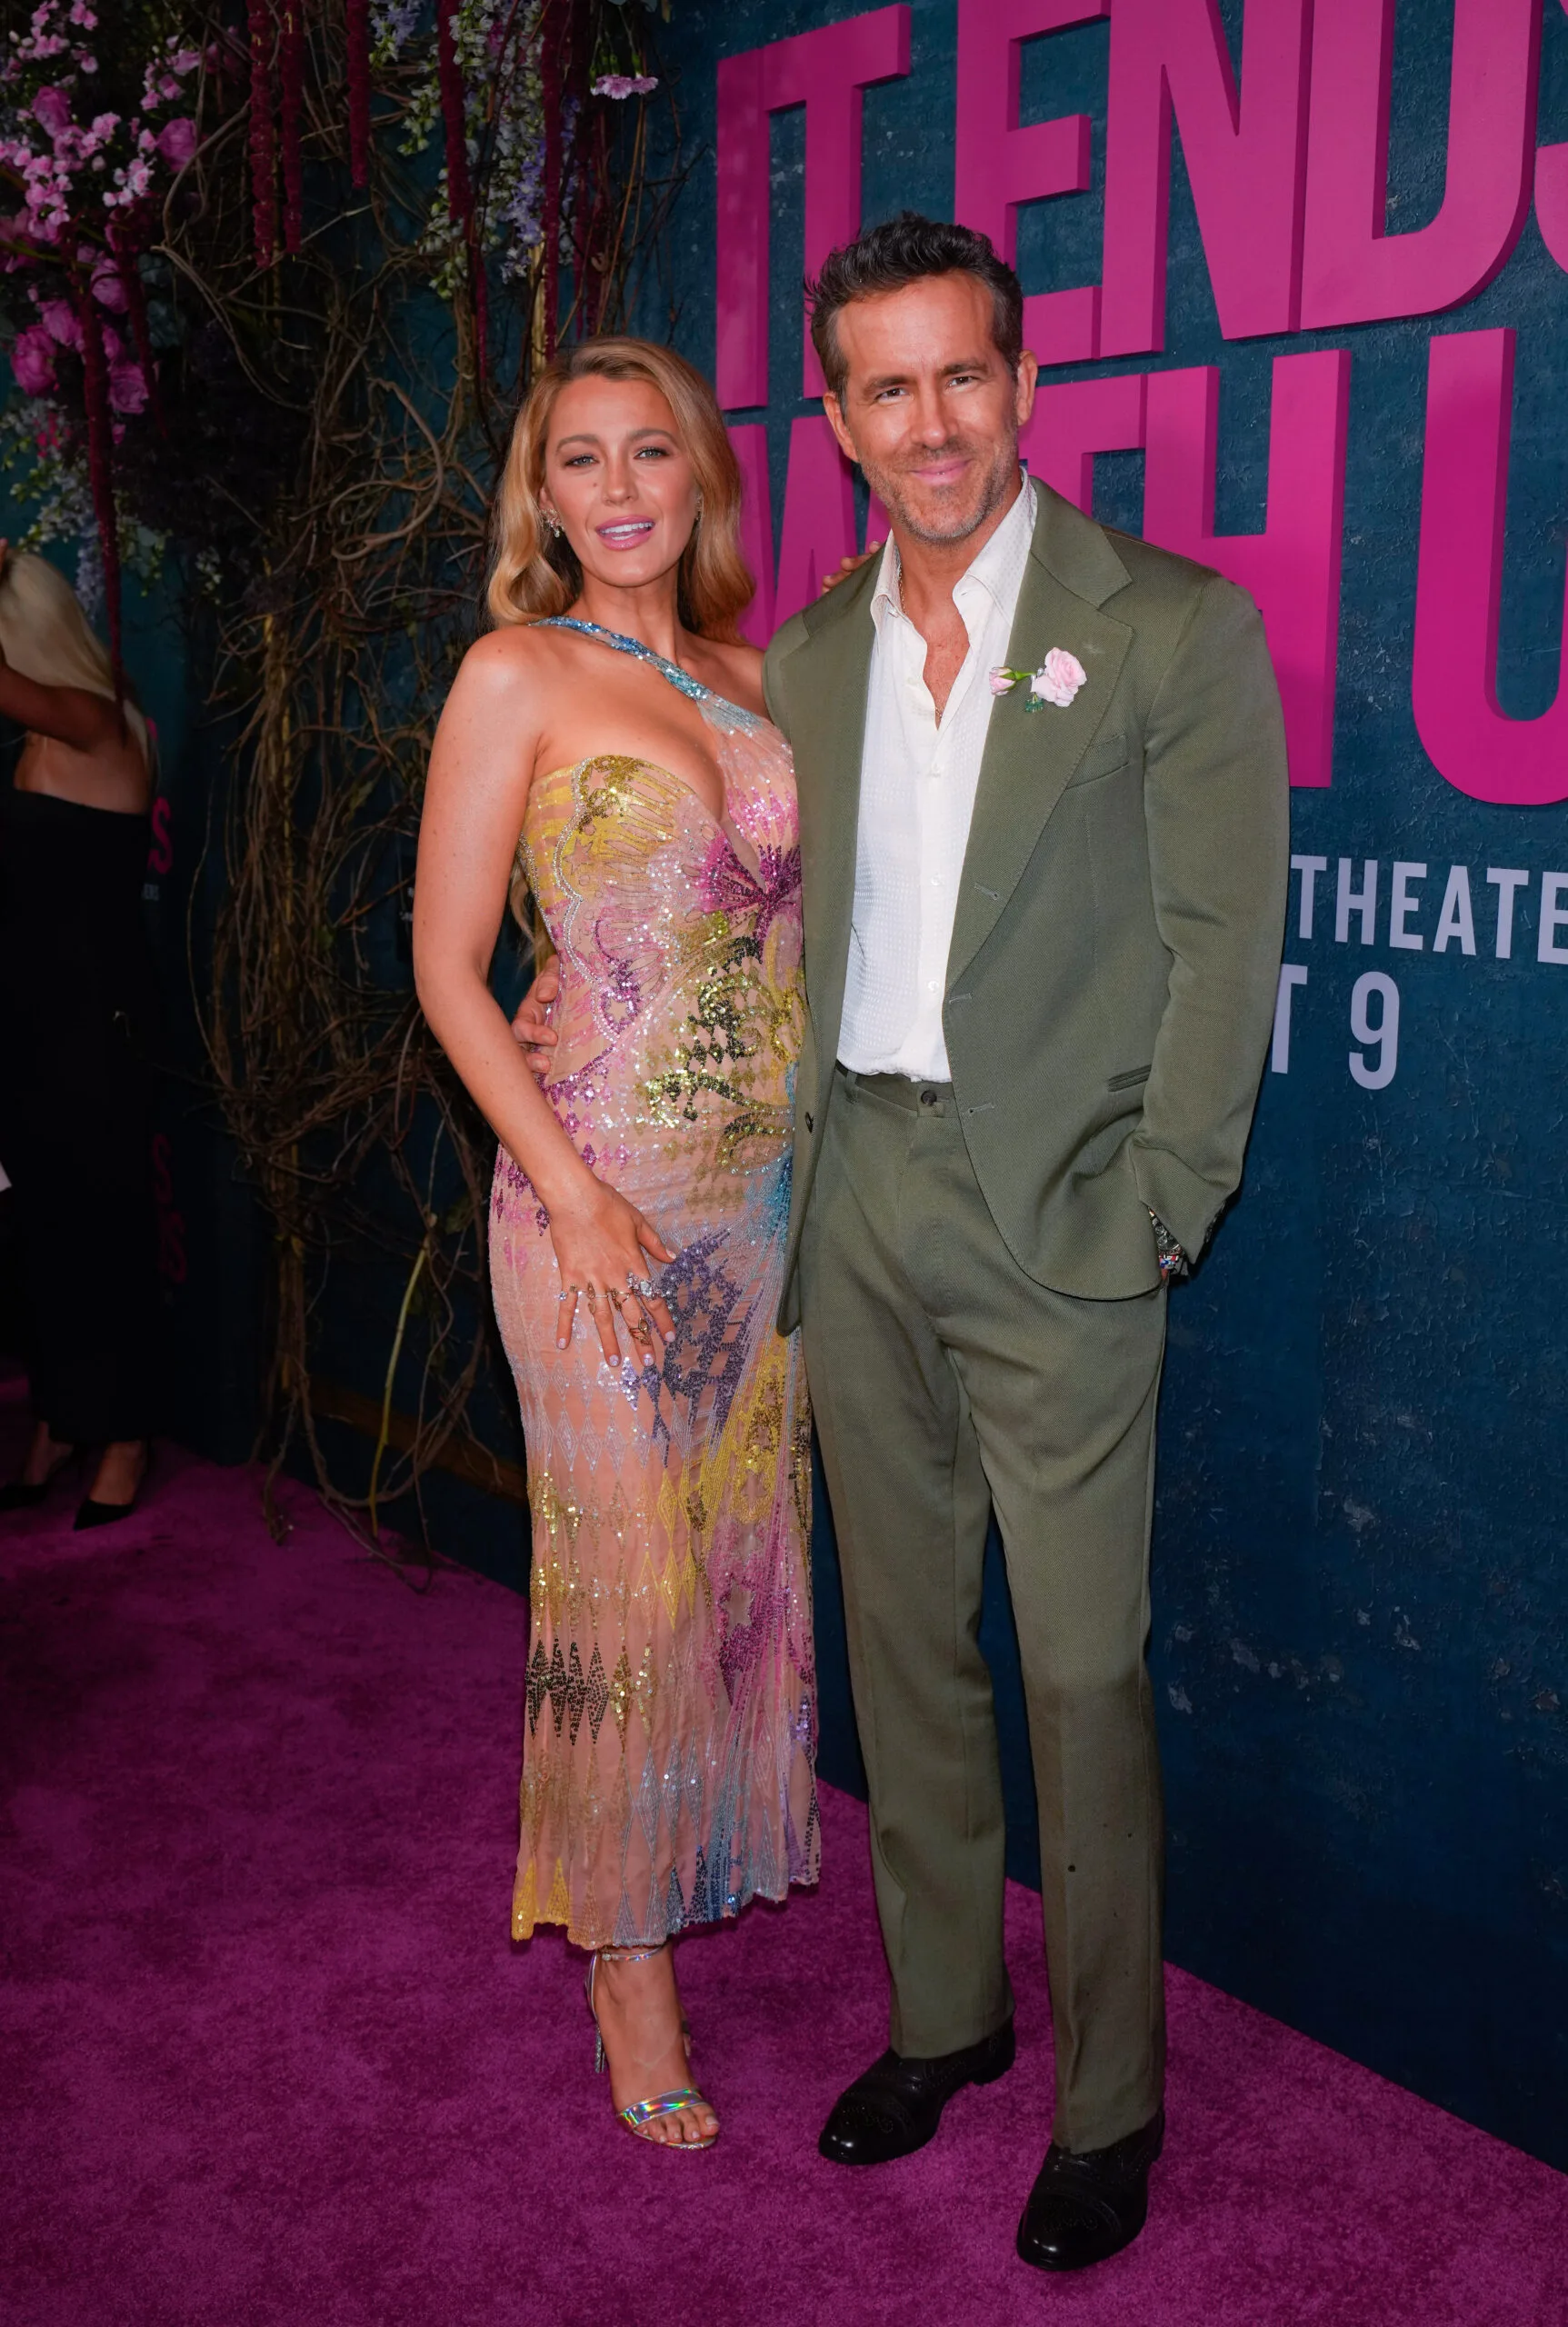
(21, 1494)
(90, 1513)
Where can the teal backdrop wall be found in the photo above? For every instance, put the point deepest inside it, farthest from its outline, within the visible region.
(1360, 1631)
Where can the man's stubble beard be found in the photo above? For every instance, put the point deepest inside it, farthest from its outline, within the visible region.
(887, 484)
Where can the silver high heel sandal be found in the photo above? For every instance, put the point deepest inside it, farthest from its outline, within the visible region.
(642, 2115)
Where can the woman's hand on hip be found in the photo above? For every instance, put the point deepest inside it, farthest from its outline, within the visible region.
(531, 1024)
(604, 1248)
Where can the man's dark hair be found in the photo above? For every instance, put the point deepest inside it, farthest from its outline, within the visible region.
(907, 250)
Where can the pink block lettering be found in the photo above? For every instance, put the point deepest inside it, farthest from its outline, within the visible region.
(1353, 271)
(741, 343)
(1245, 149)
(1471, 742)
(1074, 419)
(1552, 198)
(818, 528)
(750, 443)
(999, 164)
(1293, 566)
(1063, 326)
(160, 854)
(828, 73)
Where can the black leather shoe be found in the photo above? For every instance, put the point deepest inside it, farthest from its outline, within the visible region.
(895, 2107)
(1086, 2206)
(92, 1514)
(21, 1494)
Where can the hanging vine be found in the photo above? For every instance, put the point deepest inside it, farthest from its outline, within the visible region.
(277, 277)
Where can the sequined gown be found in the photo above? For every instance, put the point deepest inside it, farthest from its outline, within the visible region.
(670, 1720)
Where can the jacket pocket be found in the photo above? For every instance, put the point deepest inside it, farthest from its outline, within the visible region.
(1125, 1082)
(1108, 756)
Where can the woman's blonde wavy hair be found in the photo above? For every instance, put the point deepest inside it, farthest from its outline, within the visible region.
(536, 574)
(46, 635)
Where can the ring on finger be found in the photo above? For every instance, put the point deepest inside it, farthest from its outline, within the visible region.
(642, 1287)
(591, 1294)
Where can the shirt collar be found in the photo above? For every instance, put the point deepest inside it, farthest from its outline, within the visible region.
(998, 568)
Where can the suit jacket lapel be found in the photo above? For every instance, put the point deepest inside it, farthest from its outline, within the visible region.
(1030, 755)
(827, 705)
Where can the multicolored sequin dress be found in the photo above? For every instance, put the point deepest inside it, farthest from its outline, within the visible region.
(667, 1771)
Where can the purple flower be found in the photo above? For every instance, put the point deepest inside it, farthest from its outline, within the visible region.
(33, 361)
(128, 386)
(52, 108)
(108, 287)
(58, 318)
(177, 141)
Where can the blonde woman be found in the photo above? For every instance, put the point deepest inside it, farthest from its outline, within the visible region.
(607, 741)
(77, 1005)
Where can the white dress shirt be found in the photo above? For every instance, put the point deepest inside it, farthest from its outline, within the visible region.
(918, 776)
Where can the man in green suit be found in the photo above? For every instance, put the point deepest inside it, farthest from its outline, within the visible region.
(1043, 820)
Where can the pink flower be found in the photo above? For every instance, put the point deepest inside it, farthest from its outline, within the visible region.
(59, 319)
(625, 84)
(52, 108)
(1059, 678)
(33, 361)
(127, 387)
(177, 141)
(1002, 680)
(109, 288)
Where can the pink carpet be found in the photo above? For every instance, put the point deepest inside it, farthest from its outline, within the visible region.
(267, 2054)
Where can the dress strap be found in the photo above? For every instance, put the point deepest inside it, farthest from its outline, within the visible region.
(624, 645)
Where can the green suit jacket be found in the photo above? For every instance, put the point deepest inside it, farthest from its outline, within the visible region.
(1112, 978)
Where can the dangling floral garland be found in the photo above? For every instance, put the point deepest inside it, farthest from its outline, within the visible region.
(215, 281)
(101, 118)
(89, 178)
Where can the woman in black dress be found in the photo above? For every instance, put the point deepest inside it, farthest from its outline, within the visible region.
(77, 1010)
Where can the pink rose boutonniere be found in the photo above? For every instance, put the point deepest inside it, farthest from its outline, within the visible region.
(1056, 682)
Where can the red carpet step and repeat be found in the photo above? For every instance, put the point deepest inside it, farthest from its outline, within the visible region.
(267, 2053)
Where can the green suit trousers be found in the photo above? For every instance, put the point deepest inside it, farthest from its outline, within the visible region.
(947, 1383)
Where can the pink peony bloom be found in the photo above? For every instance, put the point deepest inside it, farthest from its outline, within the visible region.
(59, 319)
(33, 361)
(177, 141)
(1059, 678)
(108, 287)
(1002, 680)
(127, 387)
(52, 108)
